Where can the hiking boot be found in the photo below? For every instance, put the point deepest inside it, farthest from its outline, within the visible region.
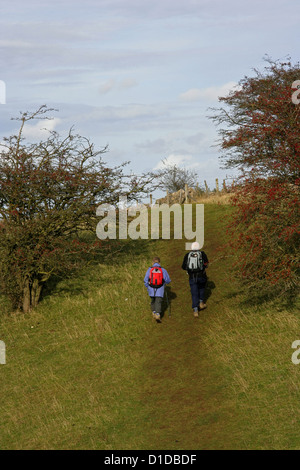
(196, 314)
(202, 306)
(157, 317)
(154, 315)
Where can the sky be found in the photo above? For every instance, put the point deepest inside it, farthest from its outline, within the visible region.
(138, 75)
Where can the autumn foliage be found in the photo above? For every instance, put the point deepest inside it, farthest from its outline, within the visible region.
(261, 138)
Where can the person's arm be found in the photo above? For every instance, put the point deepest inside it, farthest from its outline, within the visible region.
(146, 279)
(205, 260)
(167, 278)
(184, 263)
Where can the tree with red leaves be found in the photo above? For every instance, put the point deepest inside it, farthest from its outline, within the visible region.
(261, 138)
(49, 192)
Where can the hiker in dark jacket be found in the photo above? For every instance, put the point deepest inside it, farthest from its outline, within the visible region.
(156, 293)
(197, 276)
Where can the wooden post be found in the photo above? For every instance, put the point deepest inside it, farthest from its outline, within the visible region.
(150, 200)
(186, 194)
(224, 186)
(206, 187)
(180, 196)
(217, 185)
(168, 198)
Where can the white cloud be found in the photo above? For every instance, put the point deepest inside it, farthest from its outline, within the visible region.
(3, 147)
(211, 93)
(127, 83)
(173, 159)
(113, 85)
(14, 43)
(107, 114)
(41, 129)
(106, 86)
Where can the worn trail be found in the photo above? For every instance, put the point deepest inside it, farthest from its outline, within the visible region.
(177, 389)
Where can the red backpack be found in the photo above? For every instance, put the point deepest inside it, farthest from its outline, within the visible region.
(156, 277)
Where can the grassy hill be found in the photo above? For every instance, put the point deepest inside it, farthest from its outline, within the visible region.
(90, 368)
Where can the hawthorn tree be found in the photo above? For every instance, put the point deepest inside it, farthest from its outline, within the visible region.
(49, 192)
(173, 177)
(260, 135)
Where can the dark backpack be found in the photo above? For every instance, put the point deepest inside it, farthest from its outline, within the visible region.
(195, 262)
(156, 277)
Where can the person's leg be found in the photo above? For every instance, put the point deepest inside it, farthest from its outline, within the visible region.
(152, 304)
(201, 290)
(195, 294)
(158, 305)
(157, 308)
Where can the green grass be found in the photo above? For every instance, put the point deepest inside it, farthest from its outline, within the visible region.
(71, 364)
(90, 369)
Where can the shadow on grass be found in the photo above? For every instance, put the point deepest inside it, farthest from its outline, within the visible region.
(167, 302)
(54, 286)
(261, 299)
(71, 282)
(209, 288)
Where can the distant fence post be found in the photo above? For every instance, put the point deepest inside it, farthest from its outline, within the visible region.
(150, 199)
(206, 187)
(168, 197)
(186, 194)
(180, 196)
(224, 186)
(217, 185)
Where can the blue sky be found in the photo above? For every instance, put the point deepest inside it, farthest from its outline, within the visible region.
(138, 75)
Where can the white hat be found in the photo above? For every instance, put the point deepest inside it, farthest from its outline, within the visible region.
(195, 246)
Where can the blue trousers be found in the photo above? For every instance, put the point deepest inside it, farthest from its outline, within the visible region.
(197, 286)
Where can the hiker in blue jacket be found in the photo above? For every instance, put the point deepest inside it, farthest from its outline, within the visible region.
(155, 279)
